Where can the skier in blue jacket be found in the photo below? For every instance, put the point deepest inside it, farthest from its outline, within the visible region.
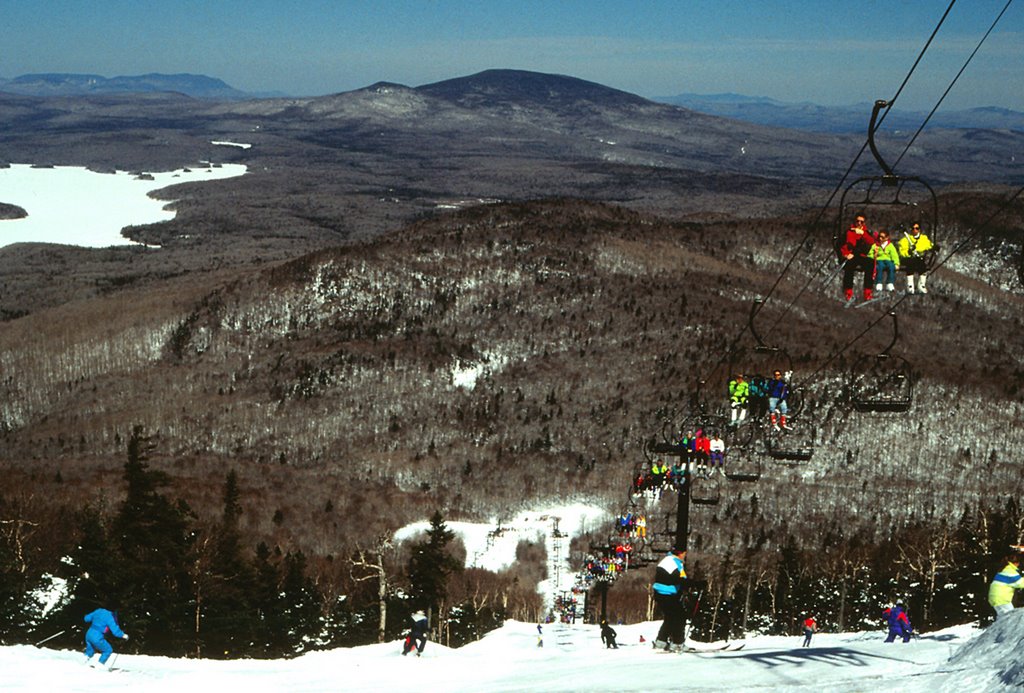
(101, 622)
(669, 582)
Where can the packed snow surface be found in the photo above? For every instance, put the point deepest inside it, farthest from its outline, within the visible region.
(72, 205)
(961, 660)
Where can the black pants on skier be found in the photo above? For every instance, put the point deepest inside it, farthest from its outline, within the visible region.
(858, 264)
(414, 641)
(673, 608)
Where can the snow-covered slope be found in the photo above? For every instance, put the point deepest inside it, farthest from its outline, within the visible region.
(572, 658)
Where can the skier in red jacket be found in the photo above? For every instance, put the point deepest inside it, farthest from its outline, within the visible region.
(810, 628)
(855, 253)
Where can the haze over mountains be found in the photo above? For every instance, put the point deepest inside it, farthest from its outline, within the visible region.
(851, 118)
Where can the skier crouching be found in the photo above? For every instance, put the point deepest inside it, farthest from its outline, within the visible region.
(608, 635)
(417, 638)
(899, 624)
(101, 622)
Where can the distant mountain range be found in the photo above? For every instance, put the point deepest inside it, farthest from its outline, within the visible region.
(64, 84)
(852, 118)
(515, 86)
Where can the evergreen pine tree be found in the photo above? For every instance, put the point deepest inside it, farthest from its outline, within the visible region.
(431, 565)
(301, 613)
(266, 598)
(91, 573)
(225, 588)
(153, 586)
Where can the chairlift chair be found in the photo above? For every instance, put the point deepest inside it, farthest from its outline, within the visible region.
(788, 447)
(882, 382)
(891, 201)
(705, 491)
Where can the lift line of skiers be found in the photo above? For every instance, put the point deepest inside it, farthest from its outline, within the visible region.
(878, 257)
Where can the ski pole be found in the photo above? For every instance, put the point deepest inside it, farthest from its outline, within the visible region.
(49, 638)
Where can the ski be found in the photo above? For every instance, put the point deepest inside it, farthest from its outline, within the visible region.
(727, 647)
(870, 301)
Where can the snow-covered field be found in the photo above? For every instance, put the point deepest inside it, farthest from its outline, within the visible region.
(961, 660)
(71, 205)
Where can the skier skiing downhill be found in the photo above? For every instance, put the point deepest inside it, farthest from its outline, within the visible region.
(101, 622)
(417, 638)
(899, 624)
(669, 580)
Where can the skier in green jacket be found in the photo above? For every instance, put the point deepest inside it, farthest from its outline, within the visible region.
(739, 393)
(887, 261)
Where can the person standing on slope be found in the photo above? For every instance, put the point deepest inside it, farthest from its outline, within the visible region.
(899, 624)
(417, 635)
(669, 590)
(101, 622)
(1000, 592)
(810, 628)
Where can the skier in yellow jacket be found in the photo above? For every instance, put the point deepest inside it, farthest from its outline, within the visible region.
(1000, 592)
(914, 248)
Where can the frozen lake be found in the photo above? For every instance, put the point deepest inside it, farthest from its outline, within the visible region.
(71, 205)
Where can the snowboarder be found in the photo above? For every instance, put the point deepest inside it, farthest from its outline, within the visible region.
(810, 628)
(101, 622)
(608, 636)
(417, 637)
(855, 255)
(1000, 592)
(899, 624)
(669, 581)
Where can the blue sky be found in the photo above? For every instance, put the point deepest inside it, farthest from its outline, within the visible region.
(824, 51)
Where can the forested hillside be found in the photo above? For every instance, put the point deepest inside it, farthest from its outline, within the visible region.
(513, 354)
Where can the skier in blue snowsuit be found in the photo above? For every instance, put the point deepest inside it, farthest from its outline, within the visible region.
(101, 622)
(899, 624)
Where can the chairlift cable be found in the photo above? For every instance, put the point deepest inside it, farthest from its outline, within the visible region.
(953, 82)
(811, 227)
(960, 246)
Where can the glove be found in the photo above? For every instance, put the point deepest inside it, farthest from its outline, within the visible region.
(124, 637)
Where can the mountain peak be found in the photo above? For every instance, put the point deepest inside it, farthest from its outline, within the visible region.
(501, 87)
